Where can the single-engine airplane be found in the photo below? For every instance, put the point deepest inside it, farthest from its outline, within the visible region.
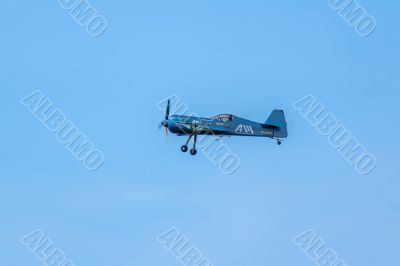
(224, 125)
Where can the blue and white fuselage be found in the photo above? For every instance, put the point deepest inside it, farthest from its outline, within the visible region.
(224, 124)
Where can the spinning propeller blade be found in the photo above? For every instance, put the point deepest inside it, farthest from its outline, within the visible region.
(167, 110)
(165, 122)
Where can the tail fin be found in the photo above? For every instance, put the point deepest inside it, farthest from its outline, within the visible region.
(277, 121)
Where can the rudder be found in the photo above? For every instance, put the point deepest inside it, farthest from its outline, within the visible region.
(277, 121)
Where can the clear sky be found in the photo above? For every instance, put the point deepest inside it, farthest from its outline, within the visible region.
(240, 57)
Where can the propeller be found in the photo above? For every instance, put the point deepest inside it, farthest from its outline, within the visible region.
(165, 122)
(167, 110)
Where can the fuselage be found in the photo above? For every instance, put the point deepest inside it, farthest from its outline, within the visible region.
(225, 124)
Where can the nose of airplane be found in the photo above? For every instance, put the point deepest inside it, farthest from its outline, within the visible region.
(171, 125)
(164, 123)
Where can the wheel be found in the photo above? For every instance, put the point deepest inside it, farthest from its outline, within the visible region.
(184, 148)
(279, 142)
(193, 151)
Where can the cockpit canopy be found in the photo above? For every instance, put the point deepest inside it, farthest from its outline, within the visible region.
(223, 117)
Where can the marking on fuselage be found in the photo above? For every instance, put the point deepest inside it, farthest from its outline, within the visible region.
(266, 132)
(244, 129)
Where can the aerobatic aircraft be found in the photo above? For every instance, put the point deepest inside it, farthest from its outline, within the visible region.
(224, 125)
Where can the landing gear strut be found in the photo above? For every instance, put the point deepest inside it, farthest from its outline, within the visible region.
(185, 148)
(193, 151)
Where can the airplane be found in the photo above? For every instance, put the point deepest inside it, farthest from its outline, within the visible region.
(224, 125)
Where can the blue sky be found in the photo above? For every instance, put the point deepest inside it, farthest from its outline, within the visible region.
(245, 58)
